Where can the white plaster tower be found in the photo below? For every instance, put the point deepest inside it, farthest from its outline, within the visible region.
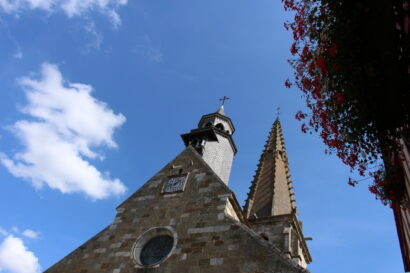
(213, 141)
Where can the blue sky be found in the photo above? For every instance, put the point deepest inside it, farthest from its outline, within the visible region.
(95, 95)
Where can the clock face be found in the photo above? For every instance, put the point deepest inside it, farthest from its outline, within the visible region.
(174, 184)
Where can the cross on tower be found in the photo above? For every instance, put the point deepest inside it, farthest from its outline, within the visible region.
(278, 111)
(224, 99)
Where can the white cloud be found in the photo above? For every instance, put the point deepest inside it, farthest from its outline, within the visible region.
(69, 7)
(31, 234)
(16, 258)
(67, 124)
(10, 6)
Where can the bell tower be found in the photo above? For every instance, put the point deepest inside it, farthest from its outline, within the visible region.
(213, 141)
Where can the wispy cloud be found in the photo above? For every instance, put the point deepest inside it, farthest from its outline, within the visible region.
(18, 54)
(95, 39)
(3, 232)
(147, 49)
(31, 234)
(10, 6)
(152, 52)
(16, 258)
(70, 7)
(67, 123)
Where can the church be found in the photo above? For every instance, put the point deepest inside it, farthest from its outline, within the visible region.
(185, 219)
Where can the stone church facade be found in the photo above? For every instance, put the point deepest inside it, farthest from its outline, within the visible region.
(185, 219)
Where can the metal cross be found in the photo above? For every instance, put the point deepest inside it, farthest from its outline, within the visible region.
(224, 99)
(278, 111)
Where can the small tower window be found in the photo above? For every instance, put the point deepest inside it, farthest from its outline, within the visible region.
(194, 142)
(220, 126)
(209, 124)
(198, 142)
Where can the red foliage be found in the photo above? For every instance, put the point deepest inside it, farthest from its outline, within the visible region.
(351, 182)
(293, 49)
(321, 64)
(314, 64)
(303, 128)
(339, 98)
(299, 115)
(288, 84)
(332, 50)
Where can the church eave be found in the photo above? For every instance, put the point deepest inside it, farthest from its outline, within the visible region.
(208, 132)
(238, 209)
(219, 116)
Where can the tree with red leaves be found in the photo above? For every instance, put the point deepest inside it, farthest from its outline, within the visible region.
(355, 83)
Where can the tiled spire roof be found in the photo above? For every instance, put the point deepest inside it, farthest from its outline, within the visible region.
(271, 191)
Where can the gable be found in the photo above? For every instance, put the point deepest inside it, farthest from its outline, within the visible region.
(204, 220)
(198, 173)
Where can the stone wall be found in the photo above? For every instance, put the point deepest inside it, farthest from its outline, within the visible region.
(282, 233)
(211, 233)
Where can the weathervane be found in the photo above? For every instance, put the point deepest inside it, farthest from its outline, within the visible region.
(224, 99)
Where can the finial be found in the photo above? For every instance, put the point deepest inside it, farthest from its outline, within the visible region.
(278, 112)
(224, 99)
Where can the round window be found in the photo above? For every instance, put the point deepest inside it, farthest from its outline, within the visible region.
(156, 249)
(154, 246)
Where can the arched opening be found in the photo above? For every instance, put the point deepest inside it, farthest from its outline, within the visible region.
(209, 124)
(220, 126)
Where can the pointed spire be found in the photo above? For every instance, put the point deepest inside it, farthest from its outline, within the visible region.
(221, 110)
(271, 190)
